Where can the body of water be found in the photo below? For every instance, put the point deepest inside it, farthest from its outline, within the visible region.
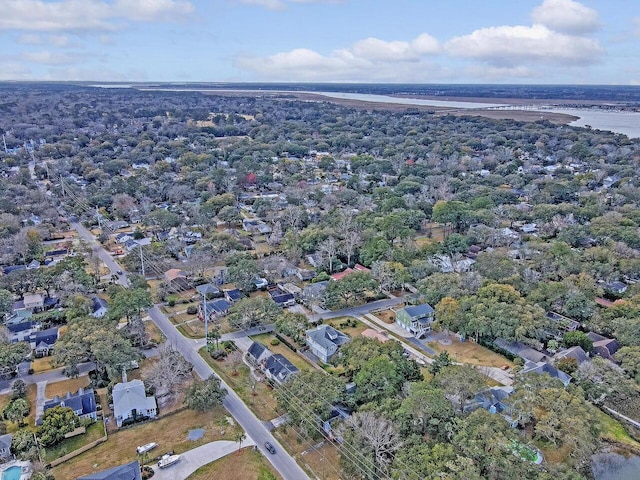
(365, 97)
(627, 123)
(612, 466)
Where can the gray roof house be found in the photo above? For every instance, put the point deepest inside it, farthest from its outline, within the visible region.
(42, 343)
(130, 401)
(493, 401)
(257, 353)
(416, 319)
(278, 369)
(324, 341)
(576, 352)
(83, 404)
(314, 292)
(5, 446)
(129, 471)
(603, 346)
(98, 307)
(544, 367)
(521, 350)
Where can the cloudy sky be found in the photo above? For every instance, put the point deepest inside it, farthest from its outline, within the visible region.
(417, 41)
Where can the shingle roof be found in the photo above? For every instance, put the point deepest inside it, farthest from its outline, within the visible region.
(131, 396)
(279, 367)
(419, 310)
(327, 337)
(83, 400)
(130, 471)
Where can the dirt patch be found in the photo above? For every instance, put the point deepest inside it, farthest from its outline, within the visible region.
(387, 316)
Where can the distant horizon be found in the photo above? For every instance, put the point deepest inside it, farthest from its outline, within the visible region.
(529, 42)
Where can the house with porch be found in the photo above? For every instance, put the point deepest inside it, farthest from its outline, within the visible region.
(278, 369)
(42, 343)
(416, 319)
(324, 341)
(130, 402)
(83, 404)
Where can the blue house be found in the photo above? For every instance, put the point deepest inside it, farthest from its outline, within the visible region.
(83, 404)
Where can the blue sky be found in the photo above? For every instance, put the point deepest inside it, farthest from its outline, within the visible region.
(418, 41)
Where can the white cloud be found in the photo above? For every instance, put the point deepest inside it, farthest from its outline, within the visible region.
(517, 45)
(59, 41)
(368, 59)
(84, 15)
(566, 16)
(47, 57)
(14, 71)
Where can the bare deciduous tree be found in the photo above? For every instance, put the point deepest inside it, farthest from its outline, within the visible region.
(169, 371)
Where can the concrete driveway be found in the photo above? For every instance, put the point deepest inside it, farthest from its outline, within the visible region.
(196, 458)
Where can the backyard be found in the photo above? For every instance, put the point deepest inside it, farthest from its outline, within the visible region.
(472, 353)
(348, 325)
(61, 388)
(93, 433)
(261, 401)
(169, 432)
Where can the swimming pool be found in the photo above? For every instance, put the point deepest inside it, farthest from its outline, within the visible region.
(12, 473)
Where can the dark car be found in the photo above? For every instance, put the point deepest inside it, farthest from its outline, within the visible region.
(270, 448)
(119, 272)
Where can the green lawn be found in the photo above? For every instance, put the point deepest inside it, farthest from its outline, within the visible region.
(613, 431)
(94, 432)
(247, 464)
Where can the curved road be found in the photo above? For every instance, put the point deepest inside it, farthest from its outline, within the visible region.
(282, 461)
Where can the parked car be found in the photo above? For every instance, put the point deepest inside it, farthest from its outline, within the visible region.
(270, 448)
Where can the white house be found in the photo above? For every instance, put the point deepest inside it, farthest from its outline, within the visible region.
(324, 341)
(131, 402)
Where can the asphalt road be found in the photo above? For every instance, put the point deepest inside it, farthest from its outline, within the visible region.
(105, 256)
(282, 461)
(359, 310)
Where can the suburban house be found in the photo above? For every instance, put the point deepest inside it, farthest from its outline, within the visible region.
(416, 319)
(277, 368)
(5, 446)
(257, 353)
(130, 402)
(305, 275)
(233, 295)
(314, 292)
(281, 298)
(521, 350)
(615, 288)
(176, 279)
(33, 301)
(562, 323)
(98, 307)
(575, 352)
(493, 401)
(324, 341)
(336, 277)
(19, 332)
(603, 346)
(130, 471)
(83, 404)
(215, 308)
(545, 367)
(208, 290)
(42, 342)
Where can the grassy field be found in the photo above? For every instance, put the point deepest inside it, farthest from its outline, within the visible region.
(153, 332)
(323, 462)
(43, 364)
(61, 388)
(472, 353)
(353, 332)
(93, 433)
(247, 464)
(387, 316)
(613, 431)
(169, 432)
(261, 402)
(265, 339)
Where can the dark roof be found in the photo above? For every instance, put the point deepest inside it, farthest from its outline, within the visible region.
(419, 310)
(282, 298)
(208, 289)
(50, 302)
(520, 350)
(98, 303)
(83, 400)
(48, 336)
(13, 268)
(234, 294)
(53, 253)
(279, 366)
(21, 327)
(256, 350)
(219, 306)
(130, 471)
(576, 352)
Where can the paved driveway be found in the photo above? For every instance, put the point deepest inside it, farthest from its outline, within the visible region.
(196, 458)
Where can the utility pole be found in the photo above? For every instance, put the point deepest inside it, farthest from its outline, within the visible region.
(141, 260)
(99, 218)
(206, 320)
